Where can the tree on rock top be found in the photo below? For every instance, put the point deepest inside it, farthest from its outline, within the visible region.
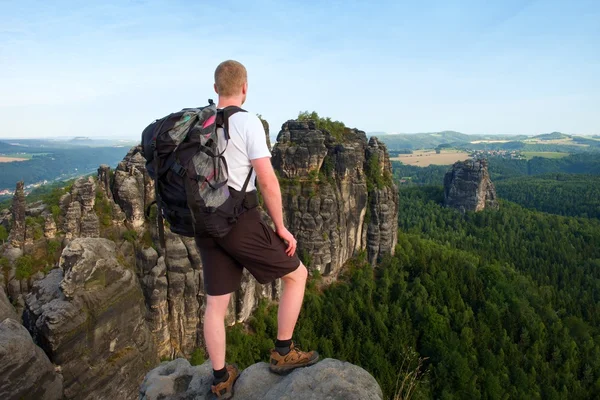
(336, 128)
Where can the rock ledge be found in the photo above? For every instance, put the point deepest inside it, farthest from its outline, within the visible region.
(328, 379)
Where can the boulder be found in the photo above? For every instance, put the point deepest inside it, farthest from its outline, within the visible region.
(328, 379)
(26, 371)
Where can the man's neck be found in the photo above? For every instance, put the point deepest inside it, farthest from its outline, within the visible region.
(229, 101)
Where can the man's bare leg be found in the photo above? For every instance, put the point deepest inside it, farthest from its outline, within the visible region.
(291, 302)
(214, 328)
(286, 356)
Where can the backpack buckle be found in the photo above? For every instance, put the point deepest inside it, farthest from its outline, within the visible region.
(178, 169)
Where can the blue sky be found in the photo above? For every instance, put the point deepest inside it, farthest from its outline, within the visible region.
(108, 68)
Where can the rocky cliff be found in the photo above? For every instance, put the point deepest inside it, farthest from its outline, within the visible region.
(338, 196)
(17, 233)
(25, 369)
(172, 286)
(105, 302)
(328, 379)
(468, 187)
(80, 219)
(88, 317)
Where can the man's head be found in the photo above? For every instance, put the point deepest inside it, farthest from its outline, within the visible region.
(231, 80)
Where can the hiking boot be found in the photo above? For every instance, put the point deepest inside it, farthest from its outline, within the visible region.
(294, 359)
(224, 390)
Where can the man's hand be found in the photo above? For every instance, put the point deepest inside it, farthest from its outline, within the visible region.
(287, 237)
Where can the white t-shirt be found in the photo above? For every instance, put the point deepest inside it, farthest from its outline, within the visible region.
(247, 142)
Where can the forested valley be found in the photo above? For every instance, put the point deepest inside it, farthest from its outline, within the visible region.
(489, 305)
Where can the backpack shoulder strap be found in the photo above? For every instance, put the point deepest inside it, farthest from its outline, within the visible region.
(247, 180)
(223, 116)
(157, 199)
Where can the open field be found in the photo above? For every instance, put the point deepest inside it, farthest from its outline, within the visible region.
(545, 154)
(565, 141)
(489, 141)
(4, 159)
(424, 158)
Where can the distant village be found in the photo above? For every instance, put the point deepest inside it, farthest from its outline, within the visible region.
(28, 188)
(508, 154)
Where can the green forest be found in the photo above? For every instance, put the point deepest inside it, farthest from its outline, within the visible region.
(562, 194)
(502, 168)
(500, 304)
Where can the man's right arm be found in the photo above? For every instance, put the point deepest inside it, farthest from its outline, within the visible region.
(271, 194)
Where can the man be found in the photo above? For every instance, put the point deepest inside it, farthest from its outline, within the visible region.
(251, 244)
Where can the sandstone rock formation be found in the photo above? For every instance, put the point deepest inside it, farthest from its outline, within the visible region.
(80, 219)
(17, 233)
(172, 286)
(88, 316)
(6, 218)
(35, 209)
(49, 227)
(327, 194)
(115, 306)
(382, 231)
(105, 184)
(328, 379)
(265, 125)
(133, 188)
(104, 181)
(26, 371)
(468, 187)
(6, 309)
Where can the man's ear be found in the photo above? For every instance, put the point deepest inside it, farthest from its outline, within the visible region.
(215, 86)
(245, 88)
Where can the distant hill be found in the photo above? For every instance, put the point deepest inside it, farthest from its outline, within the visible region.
(81, 140)
(378, 134)
(555, 141)
(42, 145)
(429, 140)
(552, 136)
(14, 147)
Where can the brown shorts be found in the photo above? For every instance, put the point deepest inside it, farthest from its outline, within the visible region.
(250, 244)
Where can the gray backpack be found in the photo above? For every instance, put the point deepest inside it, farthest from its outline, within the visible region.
(190, 174)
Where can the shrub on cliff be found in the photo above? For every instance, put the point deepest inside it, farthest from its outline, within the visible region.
(103, 209)
(4, 264)
(35, 224)
(375, 179)
(3, 234)
(24, 267)
(53, 251)
(130, 235)
(336, 128)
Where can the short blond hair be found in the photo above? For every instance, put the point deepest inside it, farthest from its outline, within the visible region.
(230, 77)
